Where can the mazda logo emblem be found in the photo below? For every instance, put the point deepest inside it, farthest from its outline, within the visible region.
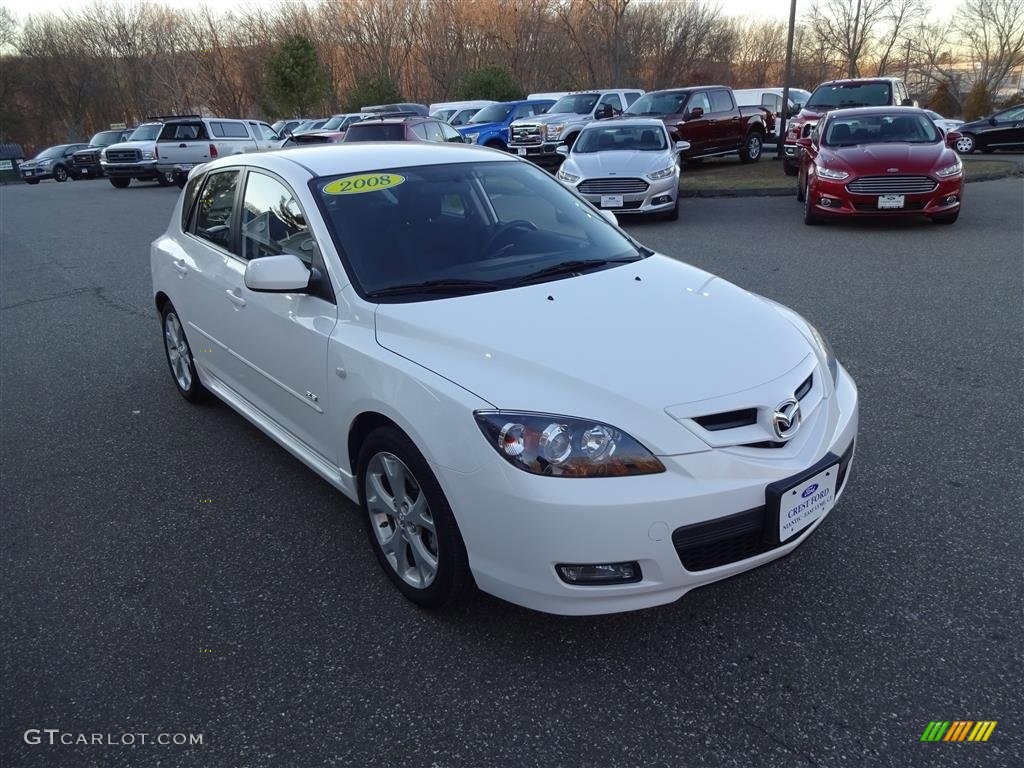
(786, 419)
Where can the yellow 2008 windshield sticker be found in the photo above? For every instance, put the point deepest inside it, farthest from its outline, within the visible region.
(366, 182)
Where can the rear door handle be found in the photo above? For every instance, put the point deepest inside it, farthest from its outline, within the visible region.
(234, 298)
(182, 146)
(180, 266)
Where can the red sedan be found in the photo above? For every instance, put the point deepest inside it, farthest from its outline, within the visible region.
(879, 161)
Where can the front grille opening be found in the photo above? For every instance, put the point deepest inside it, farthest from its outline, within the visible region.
(716, 422)
(803, 389)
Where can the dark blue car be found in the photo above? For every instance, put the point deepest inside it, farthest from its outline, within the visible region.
(489, 126)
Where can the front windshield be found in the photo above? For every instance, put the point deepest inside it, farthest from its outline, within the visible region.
(493, 224)
(850, 95)
(51, 152)
(146, 133)
(495, 113)
(105, 138)
(612, 138)
(576, 103)
(845, 131)
(658, 104)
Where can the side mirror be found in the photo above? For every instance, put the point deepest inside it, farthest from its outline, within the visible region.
(795, 110)
(604, 112)
(609, 217)
(908, 103)
(277, 274)
(992, 120)
(952, 137)
(682, 146)
(696, 113)
(563, 150)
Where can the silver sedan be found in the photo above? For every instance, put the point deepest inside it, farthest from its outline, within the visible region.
(626, 166)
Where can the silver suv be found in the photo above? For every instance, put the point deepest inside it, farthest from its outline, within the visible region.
(537, 137)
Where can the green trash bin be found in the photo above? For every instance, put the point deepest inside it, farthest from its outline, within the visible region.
(11, 156)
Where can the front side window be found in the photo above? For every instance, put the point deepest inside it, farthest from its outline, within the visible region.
(273, 222)
(611, 138)
(427, 232)
(700, 101)
(213, 209)
(450, 134)
(845, 131)
(577, 103)
(434, 131)
(1011, 115)
(632, 96)
(850, 95)
(613, 100)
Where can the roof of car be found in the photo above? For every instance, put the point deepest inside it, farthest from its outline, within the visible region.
(883, 110)
(686, 89)
(853, 80)
(364, 156)
(648, 122)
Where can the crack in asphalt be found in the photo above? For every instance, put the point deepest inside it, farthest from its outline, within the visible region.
(779, 741)
(97, 292)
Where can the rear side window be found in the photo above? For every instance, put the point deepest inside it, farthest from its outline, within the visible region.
(213, 210)
(229, 130)
(721, 101)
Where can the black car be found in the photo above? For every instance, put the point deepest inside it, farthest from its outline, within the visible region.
(51, 163)
(85, 164)
(1003, 130)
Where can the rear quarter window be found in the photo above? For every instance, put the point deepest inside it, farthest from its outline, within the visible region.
(229, 130)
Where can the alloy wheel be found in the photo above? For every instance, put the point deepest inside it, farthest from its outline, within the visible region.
(754, 147)
(401, 519)
(178, 353)
(60, 174)
(965, 145)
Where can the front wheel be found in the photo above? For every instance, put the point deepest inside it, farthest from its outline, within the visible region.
(120, 182)
(410, 525)
(810, 218)
(673, 215)
(750, 152)
(966, 144)
(949, 219)
(165, 179)
(60, 173)
(179, 356)
(800, 191)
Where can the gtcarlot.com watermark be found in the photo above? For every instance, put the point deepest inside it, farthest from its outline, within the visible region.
(55, 736)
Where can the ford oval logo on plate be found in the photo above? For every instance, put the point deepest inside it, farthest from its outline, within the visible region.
(809, 490)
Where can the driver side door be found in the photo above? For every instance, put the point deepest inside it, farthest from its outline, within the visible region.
(697, 130)
(1008, 130)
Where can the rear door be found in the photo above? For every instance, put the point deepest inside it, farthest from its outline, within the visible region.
(183, 142)
(726, 129)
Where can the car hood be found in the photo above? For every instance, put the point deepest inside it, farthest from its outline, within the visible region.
(548, 118)
(619, 162)
(478, 127)
(873, 159)
(88, 151)
(132, 145)
(619, 345)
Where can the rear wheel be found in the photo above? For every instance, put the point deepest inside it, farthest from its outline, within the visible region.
(120, 182)
(60, 173)
(179, 356)
(411, 526)
(966, 144)
(750, 152)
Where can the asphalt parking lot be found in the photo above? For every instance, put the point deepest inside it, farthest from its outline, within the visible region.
(166, 568)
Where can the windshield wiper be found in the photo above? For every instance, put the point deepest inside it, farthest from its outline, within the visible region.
(568, 268)
(435, 286)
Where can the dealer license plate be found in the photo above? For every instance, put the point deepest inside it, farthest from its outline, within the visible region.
(890, 201)
(521, 151)
(611, 201)
(802, 504)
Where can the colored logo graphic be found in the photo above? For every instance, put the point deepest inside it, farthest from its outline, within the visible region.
(958, 730)
(809, 490)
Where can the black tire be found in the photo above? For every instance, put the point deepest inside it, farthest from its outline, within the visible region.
(120, 182)
(165, 179)
(966, 144)
(60, 173)
(948, 219)
(810, 218)
(195, 392)
(750, 152)
(800, 191)
(32, 181)
(673, 215)
(452, 574)
(181, 179)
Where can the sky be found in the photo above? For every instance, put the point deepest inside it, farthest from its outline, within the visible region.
(760, 8)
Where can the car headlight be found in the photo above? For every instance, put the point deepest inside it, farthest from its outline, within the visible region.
(45, 162)
(103, 154)
(950, 170)
(831, 173)
(826, 350)
(561, 446)
(147, 154)
(472, 137)
(664, 173)
(554, 131)
(566, 176)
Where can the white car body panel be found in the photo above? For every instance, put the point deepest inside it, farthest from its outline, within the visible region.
(679, 342)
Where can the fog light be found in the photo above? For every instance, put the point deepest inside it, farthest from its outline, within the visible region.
(949, 200)
(826, 202)
(661, 200)
(607, 573)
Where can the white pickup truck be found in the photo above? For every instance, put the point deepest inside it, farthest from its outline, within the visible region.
(186, 143)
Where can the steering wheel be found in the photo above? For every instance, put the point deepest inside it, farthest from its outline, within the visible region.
(505, 229)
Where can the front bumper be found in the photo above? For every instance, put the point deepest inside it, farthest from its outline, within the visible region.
(845, 204)
(144, 169)
(518, 526)
(542, 154)
(91, 170)
(36, 174)
(641, 202)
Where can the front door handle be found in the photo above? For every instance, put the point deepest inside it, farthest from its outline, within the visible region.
(182, 146)
(180, 266)
(234, 298)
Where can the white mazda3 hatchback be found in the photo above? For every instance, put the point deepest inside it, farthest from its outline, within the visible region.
(515, 392)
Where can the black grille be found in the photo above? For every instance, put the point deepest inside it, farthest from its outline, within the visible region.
(716, 422)
(803, 389)
(123, 156)
(88, 159)
(612, 186)
(726, 540)
(912, 205)
(891, 185)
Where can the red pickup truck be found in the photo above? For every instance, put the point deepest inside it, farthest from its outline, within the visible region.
(707, 117)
